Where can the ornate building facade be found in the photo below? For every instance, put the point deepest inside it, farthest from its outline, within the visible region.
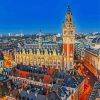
(68, 40)
(92, 61)
(59, 57)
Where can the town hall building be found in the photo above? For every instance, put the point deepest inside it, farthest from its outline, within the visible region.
(62, 58)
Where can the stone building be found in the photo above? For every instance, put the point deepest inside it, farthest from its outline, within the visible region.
(92, 60)
(1, 60)
(96, 42)
(60, 57)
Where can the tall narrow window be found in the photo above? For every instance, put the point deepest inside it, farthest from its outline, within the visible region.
(70, 19)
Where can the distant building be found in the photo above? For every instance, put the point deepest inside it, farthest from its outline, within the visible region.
(95, 94)
(20, 34)
(1, 35)
(10, 34)
(5, 40)
(92, 60)
(89, 55)
(1, 60)
(89, 37)
(96, 43)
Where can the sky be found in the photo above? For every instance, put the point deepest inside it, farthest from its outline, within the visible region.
(29, 16)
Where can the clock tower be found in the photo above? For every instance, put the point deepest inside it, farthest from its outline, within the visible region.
(68, 41)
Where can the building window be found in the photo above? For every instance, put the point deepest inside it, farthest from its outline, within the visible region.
(50, 61)
(1, 64)
(54, 62)
(70, 19)
(58, 63)
(46, 62)
(71, 63)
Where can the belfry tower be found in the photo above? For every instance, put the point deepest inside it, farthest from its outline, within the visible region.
(40, 40)
(68, 41)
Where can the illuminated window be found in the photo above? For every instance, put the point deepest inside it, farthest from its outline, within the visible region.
(58, 63)
(54, 62)
(71, 63)
(50, 61)
(46, 62)
(70, 19)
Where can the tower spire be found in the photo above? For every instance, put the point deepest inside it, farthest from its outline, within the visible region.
(69, 14)
(68, 40)
(68, 9)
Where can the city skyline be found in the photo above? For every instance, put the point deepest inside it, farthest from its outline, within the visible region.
(31, 16)
(49, 50)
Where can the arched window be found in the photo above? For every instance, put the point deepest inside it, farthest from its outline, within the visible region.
(50, 61)
(70, 19)
(58, 62)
